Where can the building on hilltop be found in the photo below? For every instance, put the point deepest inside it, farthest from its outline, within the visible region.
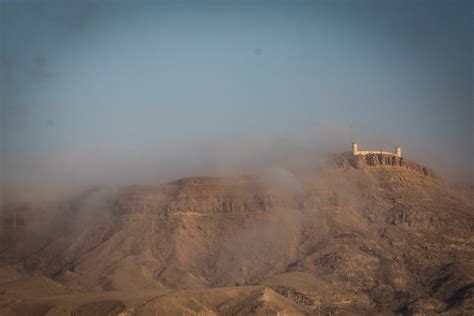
(356, 151)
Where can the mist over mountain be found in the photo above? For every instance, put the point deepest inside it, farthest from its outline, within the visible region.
(354, 235)
(194, 157)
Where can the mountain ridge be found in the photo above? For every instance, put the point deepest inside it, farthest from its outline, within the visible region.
(372, 233)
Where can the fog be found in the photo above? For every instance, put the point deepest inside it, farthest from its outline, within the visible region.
(110, 95)
(254, 105)
(64, 173)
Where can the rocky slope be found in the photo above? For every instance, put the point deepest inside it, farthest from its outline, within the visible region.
(368, 234)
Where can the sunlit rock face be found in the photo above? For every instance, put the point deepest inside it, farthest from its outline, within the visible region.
(379, 160)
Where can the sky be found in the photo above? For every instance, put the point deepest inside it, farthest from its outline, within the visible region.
(104, 87)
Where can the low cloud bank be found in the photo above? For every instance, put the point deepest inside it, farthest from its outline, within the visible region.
(66, 171)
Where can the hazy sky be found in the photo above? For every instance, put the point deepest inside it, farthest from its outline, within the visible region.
(159, 76)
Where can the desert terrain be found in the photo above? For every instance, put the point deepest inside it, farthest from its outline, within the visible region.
(359, 235)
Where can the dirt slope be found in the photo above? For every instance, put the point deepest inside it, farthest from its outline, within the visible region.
(372, 234)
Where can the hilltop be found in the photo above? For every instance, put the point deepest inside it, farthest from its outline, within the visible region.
(365, 234)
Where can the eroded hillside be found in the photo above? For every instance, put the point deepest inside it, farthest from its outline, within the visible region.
(368, 234)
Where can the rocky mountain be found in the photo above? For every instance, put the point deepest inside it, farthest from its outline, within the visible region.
(373, 234)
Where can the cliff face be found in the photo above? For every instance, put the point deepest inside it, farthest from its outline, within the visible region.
(198, 196)
(379, 160)
(370, 234)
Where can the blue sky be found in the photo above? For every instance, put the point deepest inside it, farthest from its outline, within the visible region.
(146, 75)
